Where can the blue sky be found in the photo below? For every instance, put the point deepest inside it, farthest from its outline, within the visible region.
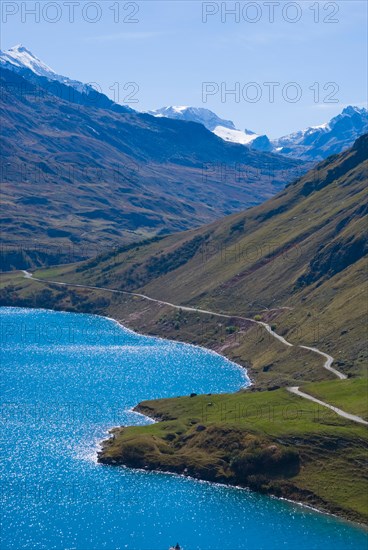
(176, 46)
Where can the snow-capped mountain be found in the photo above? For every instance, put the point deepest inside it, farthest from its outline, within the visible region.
(318, 142)
(23, 62)
(237, 136)
(253, 140)
(312, 144)
(19, 59)
(194, 114)
(225, 129)
(102, 175)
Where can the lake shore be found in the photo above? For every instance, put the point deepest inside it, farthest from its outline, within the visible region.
(135, 323)
(186, 444)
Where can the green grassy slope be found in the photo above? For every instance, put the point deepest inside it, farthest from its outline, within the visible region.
(265, 250)
(273, 442)
(349, 395)
(305, 249)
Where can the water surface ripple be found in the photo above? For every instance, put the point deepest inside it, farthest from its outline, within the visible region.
(66, 379)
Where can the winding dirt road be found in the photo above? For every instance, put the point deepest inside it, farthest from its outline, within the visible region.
(344, 414)
(328, 362)
(295, 389)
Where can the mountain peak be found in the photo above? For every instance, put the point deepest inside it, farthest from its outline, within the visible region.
(224, 129)
(20, 48)
(178, 108)
(352, 110)
(19, 56)
(318, 142)
(200, 115)
(21, 60)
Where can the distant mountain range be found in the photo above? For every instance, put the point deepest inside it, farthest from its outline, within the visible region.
(312, 144)
(225, 129)
(80, 175)
(319, 142)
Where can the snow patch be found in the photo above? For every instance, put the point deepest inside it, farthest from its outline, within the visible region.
(235, 136)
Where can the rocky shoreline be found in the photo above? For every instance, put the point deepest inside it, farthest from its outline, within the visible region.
(114, 453)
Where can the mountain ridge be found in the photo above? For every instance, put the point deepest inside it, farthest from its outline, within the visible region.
(311, 144)
(225, 129)
(21, 60)
(110, 175)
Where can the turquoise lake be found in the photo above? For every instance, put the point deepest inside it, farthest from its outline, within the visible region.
(65, 380)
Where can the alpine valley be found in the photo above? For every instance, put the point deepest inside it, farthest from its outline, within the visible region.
(83, 173)
(178, 225)
(279, 289)
(107, 175)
